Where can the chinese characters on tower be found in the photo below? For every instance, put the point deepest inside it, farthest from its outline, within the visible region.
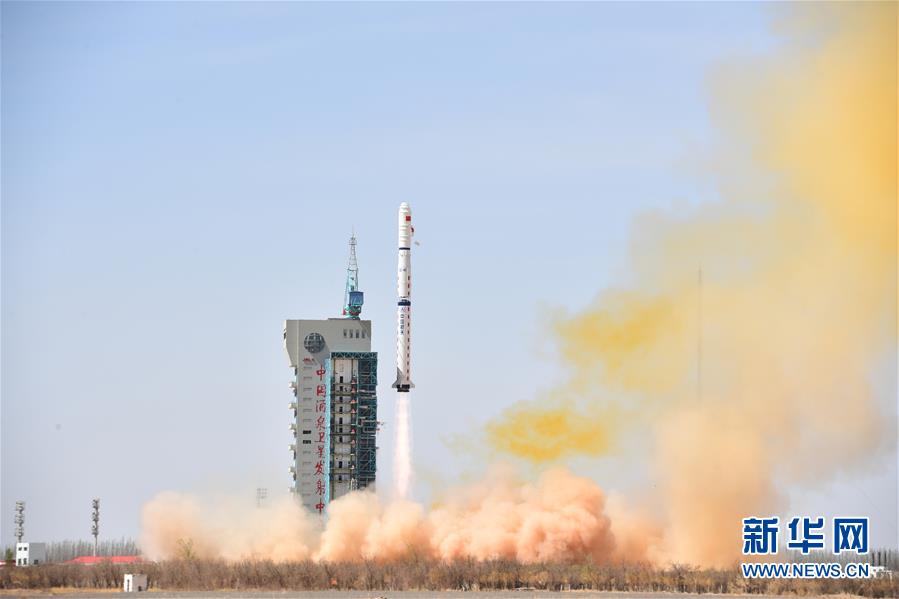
(321, 413)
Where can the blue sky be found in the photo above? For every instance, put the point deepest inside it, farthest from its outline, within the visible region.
(178, 178)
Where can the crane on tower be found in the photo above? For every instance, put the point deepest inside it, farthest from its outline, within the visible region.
(352, 297)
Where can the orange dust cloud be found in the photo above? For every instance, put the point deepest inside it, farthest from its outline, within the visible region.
(559, 517)
(786, 288)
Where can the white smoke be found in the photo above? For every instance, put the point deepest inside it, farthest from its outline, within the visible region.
(402, 453)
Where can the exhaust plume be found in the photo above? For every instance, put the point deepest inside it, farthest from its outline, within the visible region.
(559, 517)
(176, 525)
(402, 449)
(758, 369)
(794, 312)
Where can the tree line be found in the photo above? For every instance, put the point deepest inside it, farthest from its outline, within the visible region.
(417, 573)
(63, 551)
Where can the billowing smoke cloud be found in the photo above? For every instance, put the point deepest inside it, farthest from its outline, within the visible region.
(176, 525)
(750, 333)
(559, 517)
(795, 309)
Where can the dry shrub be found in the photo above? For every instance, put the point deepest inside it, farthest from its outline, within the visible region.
(416, 573)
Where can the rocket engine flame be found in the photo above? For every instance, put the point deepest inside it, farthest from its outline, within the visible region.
(402, 457)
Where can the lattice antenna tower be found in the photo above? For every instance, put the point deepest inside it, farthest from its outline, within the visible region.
(20, 520)
(352, 297)
(95, 522)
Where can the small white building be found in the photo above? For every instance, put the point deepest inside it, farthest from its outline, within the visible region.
(31, 554)
(135, 583)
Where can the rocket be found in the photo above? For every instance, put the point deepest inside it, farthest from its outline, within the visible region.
(403, 381)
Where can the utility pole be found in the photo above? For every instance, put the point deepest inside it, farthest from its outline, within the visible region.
(95, 519)
(20, 520)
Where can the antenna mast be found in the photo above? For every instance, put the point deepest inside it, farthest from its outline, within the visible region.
(20, 520)
(352, 297)
(95, 522)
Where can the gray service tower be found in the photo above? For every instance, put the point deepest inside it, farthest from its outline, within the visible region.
(335, 407)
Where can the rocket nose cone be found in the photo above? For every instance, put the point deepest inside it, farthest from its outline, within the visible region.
(405, 225)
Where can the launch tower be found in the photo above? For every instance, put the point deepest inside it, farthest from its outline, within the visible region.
(335, 408)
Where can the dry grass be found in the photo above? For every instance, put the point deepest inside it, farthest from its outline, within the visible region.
(420, 574)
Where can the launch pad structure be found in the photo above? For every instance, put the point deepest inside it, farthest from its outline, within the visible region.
(335, 407)
(361, 395)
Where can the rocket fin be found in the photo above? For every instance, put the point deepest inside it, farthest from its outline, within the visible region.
(401, 383)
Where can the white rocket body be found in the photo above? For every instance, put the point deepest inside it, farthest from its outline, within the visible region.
(403, 381)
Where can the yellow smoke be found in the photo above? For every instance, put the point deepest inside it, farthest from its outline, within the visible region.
(797, 296)
(551, 431)
(798, 303)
